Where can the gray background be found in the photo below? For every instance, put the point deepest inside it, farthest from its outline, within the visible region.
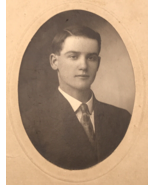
(114, 83)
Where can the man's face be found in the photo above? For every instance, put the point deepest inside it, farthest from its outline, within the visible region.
(77, 63)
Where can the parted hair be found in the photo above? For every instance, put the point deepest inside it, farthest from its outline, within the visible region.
(76, 30)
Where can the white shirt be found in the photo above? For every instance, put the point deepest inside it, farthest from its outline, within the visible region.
(75, 104)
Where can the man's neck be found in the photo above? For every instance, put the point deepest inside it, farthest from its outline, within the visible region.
(81, 95)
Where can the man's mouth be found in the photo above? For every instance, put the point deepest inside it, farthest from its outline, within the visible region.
(83, 76)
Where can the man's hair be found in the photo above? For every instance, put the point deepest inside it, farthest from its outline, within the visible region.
(76, 30)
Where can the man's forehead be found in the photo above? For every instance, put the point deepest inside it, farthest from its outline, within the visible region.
(80, 44)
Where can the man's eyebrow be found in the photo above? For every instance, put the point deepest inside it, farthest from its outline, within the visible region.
(93, 54)
(76, 52)
(68, 52)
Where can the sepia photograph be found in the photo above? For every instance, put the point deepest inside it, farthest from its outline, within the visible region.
(76, 90)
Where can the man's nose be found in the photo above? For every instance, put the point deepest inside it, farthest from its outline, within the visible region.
(83, 63)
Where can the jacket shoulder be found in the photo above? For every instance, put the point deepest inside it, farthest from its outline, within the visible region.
(111, 109)
(115, 117)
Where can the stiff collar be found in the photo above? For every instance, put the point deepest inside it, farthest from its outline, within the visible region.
(75, 104)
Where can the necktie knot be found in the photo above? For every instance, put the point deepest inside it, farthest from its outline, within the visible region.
(84, 108)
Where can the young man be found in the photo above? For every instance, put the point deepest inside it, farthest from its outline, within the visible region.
(73, 130)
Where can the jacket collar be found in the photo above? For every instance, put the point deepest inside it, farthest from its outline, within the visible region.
(58, 105)
(75, 104)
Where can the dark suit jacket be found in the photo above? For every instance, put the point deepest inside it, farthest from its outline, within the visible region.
(56, 133)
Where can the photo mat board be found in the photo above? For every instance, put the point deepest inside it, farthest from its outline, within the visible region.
(114, 84)
(19, 139)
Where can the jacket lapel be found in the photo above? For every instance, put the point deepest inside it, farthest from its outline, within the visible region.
(106, 130)
(103, 130)
(73, 132)
(99, 127)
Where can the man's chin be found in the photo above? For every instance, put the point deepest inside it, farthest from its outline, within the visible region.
(83, 88)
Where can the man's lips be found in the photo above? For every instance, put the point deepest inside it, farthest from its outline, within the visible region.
(82, 76)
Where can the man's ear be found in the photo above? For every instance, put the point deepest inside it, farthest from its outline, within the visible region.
(99, 59)
(53, 61)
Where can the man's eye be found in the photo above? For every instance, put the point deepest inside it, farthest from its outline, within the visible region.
(73, 57)
(92, 58)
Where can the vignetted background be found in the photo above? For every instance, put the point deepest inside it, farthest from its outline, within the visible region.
(114, 83)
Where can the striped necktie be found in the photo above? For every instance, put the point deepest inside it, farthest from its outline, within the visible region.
(86, 123)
